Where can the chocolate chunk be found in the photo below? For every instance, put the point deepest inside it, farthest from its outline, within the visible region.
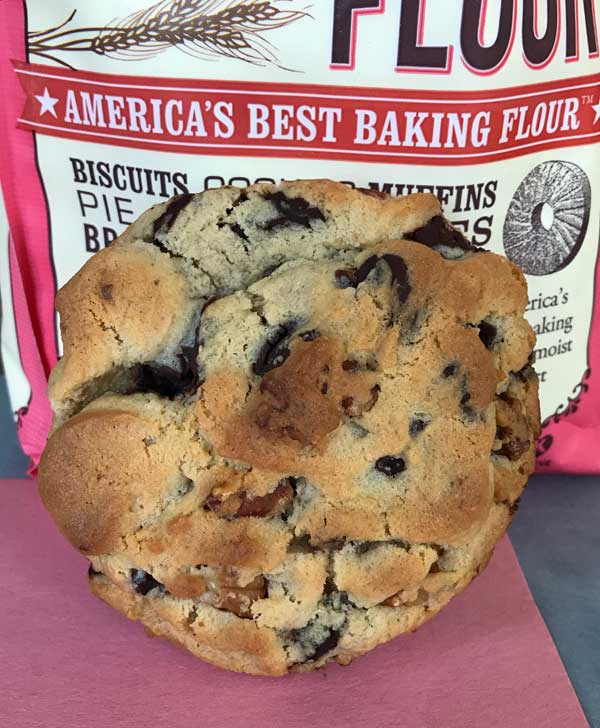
(301, 545)
(241, 199)
(363, 547)
(416, 426)
(239, 231)
(514, 507)
(268, 270)
(502, 433)
(328, 644)
(167, 381)
(186, 487)
(390, 465)
(512, 447)
(189, 360)
(329, 586)
(375, 389)
(275, 350)
(468, 412)
(235, 228)
(163, 249)
(347, 278)
(164, 380)
(310, 335)
(356, 408)
(165, 222)
(438, 232)
(488, 334)
(208, 302)
(238, 505)
(277, 357)
(450, 370)
(347, 403)
(214, 502)
(399, 275)
(465, 400)
(350, 365)
(306, 637)
(292, 210)
(526, 373)
(364, 270)
(106, 291)
(465, 407)
(344, 277)
(92, 572)
(157, 378)
(270, 504)
(144, 582)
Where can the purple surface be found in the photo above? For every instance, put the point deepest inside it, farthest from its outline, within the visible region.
(66, 659)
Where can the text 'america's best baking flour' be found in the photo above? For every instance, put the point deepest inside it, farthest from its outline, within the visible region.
(492, 105)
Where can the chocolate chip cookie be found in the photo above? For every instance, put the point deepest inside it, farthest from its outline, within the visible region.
(291, 421)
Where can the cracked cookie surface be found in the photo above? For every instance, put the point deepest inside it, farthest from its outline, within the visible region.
(290, 422)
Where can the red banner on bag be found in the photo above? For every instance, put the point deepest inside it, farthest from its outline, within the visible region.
(299, 120)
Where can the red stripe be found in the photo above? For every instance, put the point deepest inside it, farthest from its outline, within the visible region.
(395, 126)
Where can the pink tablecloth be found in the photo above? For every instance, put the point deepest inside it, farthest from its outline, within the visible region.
(68, 661)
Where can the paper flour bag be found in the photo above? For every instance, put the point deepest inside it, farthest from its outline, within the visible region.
(494, 106)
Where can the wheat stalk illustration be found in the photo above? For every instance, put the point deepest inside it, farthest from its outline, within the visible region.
(202, 28)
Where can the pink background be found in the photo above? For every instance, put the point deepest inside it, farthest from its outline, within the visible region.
(68, 660)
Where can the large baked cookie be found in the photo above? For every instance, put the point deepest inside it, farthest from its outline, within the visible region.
(290, 422)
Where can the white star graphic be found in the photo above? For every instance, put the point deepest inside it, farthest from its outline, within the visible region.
(596, 108)
(47, 103)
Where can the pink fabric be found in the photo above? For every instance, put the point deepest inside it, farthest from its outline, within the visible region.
(579, 432)
(66, 659)
(32, 275)
(39, 415)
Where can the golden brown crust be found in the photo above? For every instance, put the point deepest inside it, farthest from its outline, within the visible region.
(201, 537)
(372, 577)
(285, 434)
(127, 304)
(107, 470)
(217, 637)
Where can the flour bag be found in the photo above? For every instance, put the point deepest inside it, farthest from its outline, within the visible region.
(492, 105)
